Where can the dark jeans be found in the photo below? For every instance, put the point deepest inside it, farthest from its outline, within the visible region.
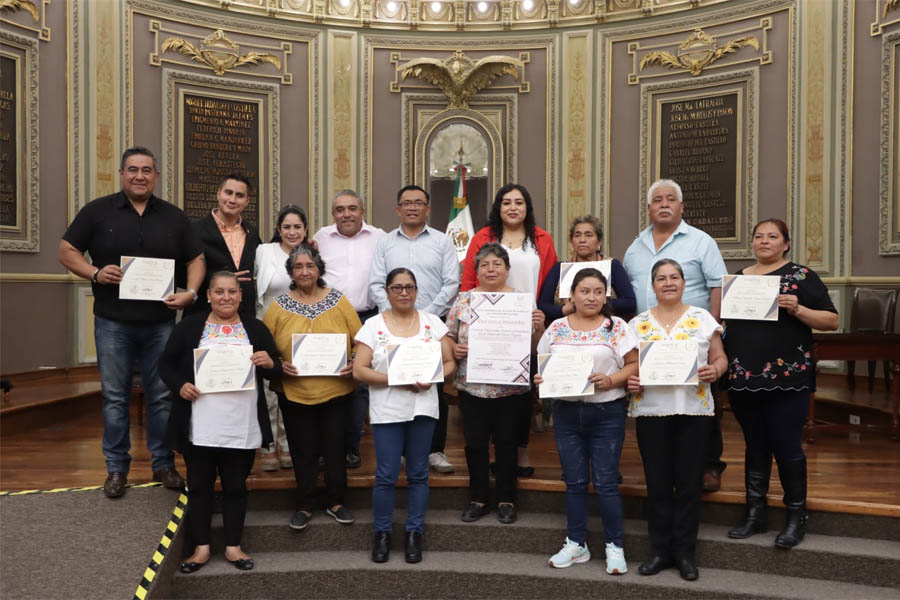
(589, 438)
(673, 450)
(714, 443)
(393, 440)
(772, 422)
(233, 465)
(315, 430)
(484, 419)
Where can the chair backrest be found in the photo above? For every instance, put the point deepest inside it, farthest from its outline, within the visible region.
(873, 310)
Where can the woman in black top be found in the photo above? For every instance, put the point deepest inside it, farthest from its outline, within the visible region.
(771, 374)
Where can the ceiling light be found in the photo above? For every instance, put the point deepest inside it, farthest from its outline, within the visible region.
(527, 4)
(391, 6)
(435, 7)
(482, 6)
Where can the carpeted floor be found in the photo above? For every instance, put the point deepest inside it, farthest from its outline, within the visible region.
(80, 544)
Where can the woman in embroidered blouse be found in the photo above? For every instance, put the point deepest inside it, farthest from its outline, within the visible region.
(771, 376)
(402, 417)
(673, 423)
(590, 429)
(314, 407)
(271, 282)
(217, 431)
(489, 411)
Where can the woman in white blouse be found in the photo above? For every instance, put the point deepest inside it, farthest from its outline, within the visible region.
(590, 429)
(402, 417)
(272, 281)
(673, 421)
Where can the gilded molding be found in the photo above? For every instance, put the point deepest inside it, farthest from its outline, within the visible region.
(576, 126)
(103, 48)
(342, 141)
(74, 113)
(881, 20)
(813, 241)
(23, 13)
(844, 150)
(889, 196)
(26, 237)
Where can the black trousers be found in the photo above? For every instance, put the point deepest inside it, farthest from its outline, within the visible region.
(673, 452)
(714, 444)
(439, 437)
(483, 419)
(315, 430)
(772, 422)
(232, 465)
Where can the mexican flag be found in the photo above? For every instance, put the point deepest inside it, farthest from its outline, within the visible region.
(459, 228)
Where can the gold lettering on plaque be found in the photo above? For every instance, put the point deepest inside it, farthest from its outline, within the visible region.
(219, 52)
(697, 52)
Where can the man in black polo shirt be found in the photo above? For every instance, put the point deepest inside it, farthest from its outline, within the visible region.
(133, 222)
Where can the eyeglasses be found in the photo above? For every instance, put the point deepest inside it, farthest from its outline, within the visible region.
(412, 203)
(409, 288)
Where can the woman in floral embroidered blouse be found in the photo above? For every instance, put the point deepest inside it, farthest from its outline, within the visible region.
(673, 423)
(403, 416)
(771, 376)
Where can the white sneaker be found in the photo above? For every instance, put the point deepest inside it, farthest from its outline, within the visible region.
(615, 560)
(570, 554)
(439, 462)
(269, 461)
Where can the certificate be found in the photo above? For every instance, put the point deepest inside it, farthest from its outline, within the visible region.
(319, 353)
(750, 297)
(568, 270)
(414, 361)
(224, 368)
(146, 278)
(668, 362)
(566, 374)
(500, 338)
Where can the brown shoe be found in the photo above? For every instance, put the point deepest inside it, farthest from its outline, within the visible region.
(169, 478)
(115, 485)
(712, 480)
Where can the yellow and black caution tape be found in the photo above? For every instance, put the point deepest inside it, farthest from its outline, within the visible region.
(76, 489)
(160, 554)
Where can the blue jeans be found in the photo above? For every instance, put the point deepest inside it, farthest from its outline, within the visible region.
(393, 440)
(589, 439)
(121, 345)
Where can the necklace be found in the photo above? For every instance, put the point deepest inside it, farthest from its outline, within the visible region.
(399, 325)
(667, 325)
(511, 242)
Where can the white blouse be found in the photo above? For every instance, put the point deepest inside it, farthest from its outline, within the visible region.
(397, 404)
(524, 268)
(272, 279)
(660, 401)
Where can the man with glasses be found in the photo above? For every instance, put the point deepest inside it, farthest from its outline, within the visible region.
(133, 222)
(431, 255)
(348, 249)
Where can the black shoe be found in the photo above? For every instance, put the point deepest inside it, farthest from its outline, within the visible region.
(300, 520)
(655, 564)
(524, 471)
(794, 530)
(115, 484)
(341, 514)
(381, 547)
(758, 471)
(473, 512)
(754, 522)
(353, 461)
(793, 481)
(687, 568)
(242, 564)
(413, 552)
(169, 478)
(506, 512)
(190, 567)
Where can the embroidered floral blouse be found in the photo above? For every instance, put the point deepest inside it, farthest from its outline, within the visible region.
(777, 355)
(660, 401)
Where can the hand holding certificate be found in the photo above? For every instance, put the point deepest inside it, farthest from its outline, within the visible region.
(750, 297)
(565, 374)
(568, 270)
(224, 368)
(319, 353)
(414, 362)
(500, 338)
(668, 362)
(146, 278)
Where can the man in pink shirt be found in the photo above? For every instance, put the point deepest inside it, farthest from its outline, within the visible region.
(347, 247)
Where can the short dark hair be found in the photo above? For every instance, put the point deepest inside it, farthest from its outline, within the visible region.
(590, 220)
(290, 209)
(663, 262)
(314, 255)
(399, 271)
(237, 177)
(782, 227)
(225, 274)
(492, 248)
(142, 150)
(407, 188)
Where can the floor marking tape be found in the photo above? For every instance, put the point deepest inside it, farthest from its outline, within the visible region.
(159, 554)
(77, 489)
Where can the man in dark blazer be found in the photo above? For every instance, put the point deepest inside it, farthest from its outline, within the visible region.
(228, 243)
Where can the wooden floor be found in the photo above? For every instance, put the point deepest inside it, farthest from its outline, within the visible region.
(854, 473)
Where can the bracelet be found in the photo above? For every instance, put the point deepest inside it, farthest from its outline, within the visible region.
(193, 293)
(94, 277)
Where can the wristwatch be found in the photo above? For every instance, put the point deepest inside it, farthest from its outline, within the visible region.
(194, 294)
(96, 273)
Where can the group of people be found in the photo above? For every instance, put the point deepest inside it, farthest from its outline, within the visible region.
(380, 289)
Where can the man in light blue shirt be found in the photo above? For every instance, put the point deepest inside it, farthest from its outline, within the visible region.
(431, 256)
(670, 237)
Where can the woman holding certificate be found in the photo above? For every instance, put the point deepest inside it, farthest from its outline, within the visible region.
(492, 410)
(771, 375)
(218, 420)
(271, 282)
(680, 355)
(590, 428)
(403, 416)
(313, 326)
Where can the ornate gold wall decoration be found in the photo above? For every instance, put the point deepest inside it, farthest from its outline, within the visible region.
(880, 20)
(697, 52)
(890, 5)
(103, 46)
(576, 127)
(218, 52)
(17, 12)
(458, 76)
(342, 141)
(13, 6)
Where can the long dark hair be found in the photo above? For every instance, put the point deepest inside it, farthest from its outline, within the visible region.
(583, 274)
(314, 255)
(496, 223)
(290, 209)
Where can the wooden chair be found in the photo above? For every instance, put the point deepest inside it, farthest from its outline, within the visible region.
(872, 312)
